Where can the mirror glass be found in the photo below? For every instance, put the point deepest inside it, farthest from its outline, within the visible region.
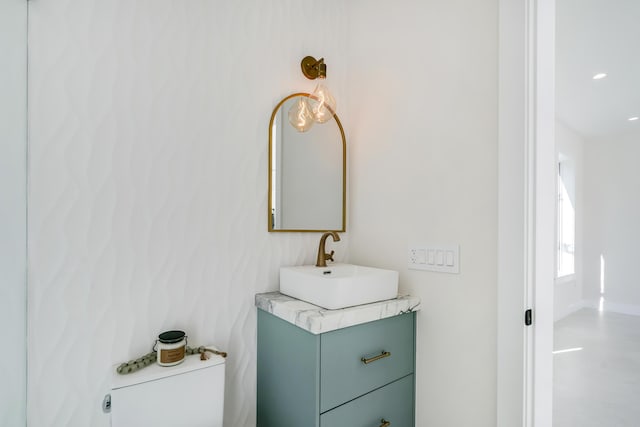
(307, 172)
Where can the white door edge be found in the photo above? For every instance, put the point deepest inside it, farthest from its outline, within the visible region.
(525, 212)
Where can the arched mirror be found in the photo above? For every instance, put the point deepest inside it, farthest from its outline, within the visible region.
(307, 173)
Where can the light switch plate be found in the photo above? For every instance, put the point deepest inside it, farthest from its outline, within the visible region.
(432, 257)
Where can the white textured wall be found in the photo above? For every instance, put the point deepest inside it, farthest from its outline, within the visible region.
(612, 229)
(13, 199)
(567, 293)
(148, 195)
(423, 146)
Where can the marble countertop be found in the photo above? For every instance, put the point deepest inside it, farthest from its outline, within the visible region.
(318, 320)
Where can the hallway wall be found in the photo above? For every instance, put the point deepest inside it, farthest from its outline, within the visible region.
(612, 229)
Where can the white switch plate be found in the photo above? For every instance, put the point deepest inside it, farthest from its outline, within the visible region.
(430, 257)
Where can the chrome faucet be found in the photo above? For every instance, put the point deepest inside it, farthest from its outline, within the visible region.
(322, 255)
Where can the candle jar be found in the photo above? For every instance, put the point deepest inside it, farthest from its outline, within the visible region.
(171, 346)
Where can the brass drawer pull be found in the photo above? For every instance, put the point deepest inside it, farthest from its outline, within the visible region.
(385, 423)
(378, 357)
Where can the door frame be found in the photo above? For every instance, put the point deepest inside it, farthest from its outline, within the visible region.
(526, 213)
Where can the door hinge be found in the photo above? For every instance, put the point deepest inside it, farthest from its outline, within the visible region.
(528, 317)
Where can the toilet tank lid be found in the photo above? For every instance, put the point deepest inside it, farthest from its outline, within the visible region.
(156, 372)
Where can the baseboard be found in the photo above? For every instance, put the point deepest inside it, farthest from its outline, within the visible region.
(614, 307)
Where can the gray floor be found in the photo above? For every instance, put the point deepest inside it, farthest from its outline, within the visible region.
(598, 386)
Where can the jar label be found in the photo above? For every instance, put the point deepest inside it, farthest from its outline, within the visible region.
(171, 356)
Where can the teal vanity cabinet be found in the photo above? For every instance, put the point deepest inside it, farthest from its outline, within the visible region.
(357, 376)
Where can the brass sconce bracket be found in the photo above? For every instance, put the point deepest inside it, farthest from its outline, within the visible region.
(312, 68)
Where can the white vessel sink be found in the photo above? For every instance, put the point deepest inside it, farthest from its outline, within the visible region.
(338, 285)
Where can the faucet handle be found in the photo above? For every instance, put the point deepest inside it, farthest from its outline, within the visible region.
(329, 257)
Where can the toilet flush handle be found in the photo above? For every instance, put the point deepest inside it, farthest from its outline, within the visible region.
(106, 404)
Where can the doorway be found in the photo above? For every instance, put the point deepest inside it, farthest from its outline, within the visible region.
(597, 299)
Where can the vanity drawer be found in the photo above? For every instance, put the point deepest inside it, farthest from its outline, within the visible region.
(344, 375)
(392, 403)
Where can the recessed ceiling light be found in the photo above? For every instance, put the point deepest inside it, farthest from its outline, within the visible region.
(634, 118)
(599, 76)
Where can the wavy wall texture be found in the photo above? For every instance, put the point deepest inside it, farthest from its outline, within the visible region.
(148, 168)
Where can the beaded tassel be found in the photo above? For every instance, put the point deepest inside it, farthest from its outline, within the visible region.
(148, 359)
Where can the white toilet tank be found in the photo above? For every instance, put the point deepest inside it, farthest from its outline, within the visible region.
(190, 394)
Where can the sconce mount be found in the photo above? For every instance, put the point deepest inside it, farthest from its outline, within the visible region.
(313, 68)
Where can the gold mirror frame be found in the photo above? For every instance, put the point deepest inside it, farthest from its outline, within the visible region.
(344, 171)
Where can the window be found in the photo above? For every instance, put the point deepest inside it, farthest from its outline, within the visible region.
(566, 219)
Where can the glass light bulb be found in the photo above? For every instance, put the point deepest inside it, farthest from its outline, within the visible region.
(300, 115)
(323, 104)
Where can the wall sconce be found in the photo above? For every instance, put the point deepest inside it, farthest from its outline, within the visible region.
(320, 106)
